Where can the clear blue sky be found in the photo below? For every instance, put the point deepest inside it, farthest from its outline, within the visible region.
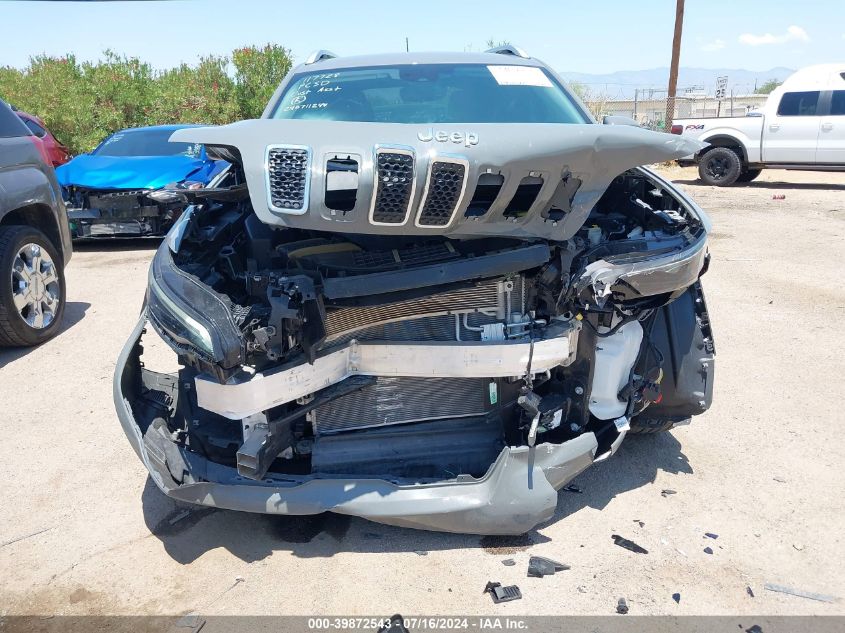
(585, 36)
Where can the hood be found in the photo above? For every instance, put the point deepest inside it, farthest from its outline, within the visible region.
(133, 172)
(461, 180)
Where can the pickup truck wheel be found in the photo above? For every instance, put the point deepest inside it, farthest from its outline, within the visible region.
(720, 166)
(32, 287)
(748, 175)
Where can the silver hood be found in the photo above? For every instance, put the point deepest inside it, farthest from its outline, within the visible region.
(421, 180)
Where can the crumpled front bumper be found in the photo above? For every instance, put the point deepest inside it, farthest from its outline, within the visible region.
(518, 491)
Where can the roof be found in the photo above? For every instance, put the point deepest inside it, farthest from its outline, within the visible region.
(391, 59)
(171, 127)
(819, 76)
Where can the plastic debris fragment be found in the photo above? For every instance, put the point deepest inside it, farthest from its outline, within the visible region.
(539, 566)
(502, 594)
(622, 606)
(628, 545)
(799, 592)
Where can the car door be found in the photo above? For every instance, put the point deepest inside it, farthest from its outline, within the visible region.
(831, 146)
(791, 134)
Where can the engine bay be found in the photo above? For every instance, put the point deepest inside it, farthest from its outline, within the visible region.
(396, 328)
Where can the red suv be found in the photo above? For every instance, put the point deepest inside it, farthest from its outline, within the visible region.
(54, 152)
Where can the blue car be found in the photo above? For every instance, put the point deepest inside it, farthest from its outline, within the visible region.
(129, 185)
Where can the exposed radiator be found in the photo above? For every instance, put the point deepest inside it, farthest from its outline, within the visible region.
(402, 400)
(429, 317)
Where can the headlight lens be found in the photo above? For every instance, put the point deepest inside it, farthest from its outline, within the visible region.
(188, 315)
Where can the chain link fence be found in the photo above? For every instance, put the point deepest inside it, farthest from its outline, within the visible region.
(650, 106)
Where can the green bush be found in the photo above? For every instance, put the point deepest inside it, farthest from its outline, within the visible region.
(82, 103)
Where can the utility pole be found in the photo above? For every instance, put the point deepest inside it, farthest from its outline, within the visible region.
(673, 69)
(636, 94)
(407, 46)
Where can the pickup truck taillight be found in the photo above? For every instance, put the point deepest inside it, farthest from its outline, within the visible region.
(677, 129)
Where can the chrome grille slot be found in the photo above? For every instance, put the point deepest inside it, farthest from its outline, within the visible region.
(394, 186)
(288, 178)
(443, 192)
(403, 400)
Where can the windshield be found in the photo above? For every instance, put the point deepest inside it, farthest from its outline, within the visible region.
(430, 93)
(145, 143)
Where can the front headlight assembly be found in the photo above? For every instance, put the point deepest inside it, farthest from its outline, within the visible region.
(193, 319)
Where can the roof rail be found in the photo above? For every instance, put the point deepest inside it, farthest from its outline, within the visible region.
(509, 49)
(318, 56)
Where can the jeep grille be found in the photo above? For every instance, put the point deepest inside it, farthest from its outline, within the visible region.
(288, 178)
(443, 193)
(394, 187)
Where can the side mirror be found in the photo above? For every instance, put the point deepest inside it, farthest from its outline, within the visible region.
(613, 119)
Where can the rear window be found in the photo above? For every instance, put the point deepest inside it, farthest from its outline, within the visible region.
(799, 103)
(36, 129)
(10, 124)
(145, 143)
(430, 93)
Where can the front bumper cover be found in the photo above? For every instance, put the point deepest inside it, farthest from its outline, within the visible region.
(518, 491)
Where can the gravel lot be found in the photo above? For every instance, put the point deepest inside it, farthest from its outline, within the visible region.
(83, 530)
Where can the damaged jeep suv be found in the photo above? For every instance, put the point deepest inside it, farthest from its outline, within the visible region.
(429, 291)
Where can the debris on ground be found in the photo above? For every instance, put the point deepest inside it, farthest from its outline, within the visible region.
(538, 566)
(681, 552)
(641, 523)
(573, 488)
(754, 629)
(708, 550)
(677, 598)
(666, 492)
(779, 196)
(509, 562)
(711, 535)
(628, 545)
(749, 591)
(799, 592)
(582, 589)
(622, 606)
(780, 480)
(420, 552)
(798, 546)
(502, 594)
(184, 514)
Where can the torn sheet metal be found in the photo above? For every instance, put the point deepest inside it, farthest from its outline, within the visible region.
(576, 163)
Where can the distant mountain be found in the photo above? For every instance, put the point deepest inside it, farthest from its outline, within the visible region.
(621, 84)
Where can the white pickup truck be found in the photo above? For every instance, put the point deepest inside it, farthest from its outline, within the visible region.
(801, 126)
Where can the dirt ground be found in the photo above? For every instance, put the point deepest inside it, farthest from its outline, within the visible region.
(84, 531)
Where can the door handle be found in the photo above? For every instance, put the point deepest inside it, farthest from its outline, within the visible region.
(774, 127)
(827, 127)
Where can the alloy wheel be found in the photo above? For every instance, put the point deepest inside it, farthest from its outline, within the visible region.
(35, 286)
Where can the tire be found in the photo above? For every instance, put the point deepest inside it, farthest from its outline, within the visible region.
(720, 167)
(643, 426)
(748, 175)
(30, 311)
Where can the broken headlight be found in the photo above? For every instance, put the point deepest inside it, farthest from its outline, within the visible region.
(189, 316)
